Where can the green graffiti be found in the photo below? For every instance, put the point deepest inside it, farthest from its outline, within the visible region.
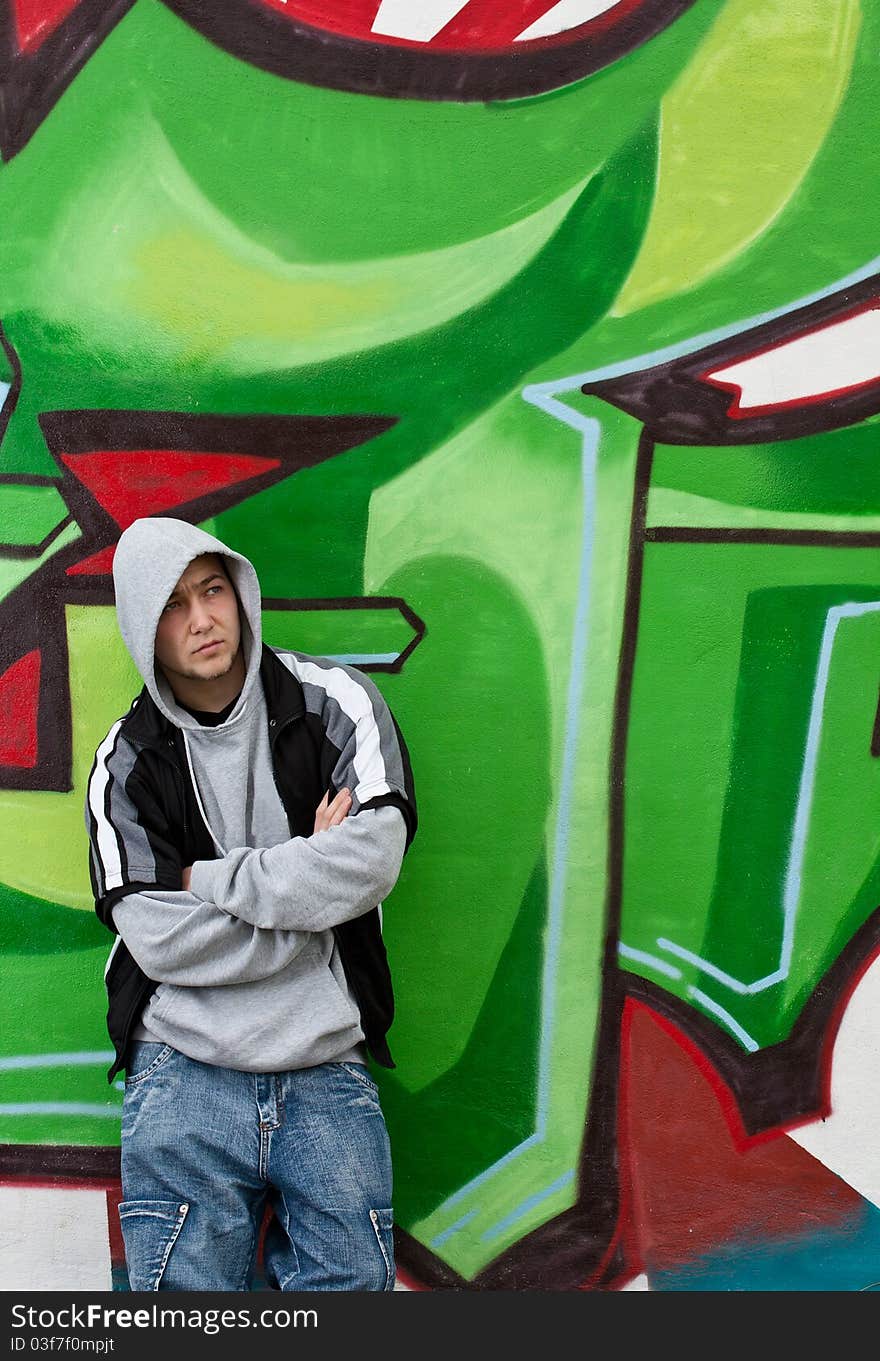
(622, 607)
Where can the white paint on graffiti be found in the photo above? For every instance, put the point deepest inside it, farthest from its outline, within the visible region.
(76, 1059)
(419, 23)
(836, 358)
(54, 1239)
(549, 394)
(567, 14)
(846, 1139)
(17, 1108)
(549, 397)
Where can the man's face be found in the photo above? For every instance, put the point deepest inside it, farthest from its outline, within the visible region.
(199, 633)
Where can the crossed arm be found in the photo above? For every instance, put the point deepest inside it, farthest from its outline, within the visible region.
(264, 904)
(327, 814)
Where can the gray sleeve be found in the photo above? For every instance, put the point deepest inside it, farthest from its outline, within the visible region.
(309, 883)
(175, 937)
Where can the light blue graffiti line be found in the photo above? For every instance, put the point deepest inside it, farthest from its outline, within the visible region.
(5, 389)
(545, 397)
(55, 1060)
(453, 1228)
(590, 430)
(794, 873)
(797, 850)
(364, 658)
(60, 1108)
(523, 1209)
(707, 967)
(509, 1157)
(660, 966)
(650, 961)
(725, 1017)
(638, 363)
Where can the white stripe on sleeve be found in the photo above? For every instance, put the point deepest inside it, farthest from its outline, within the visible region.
(108, 846)
(354, 702)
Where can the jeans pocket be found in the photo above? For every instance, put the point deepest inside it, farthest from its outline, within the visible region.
(150, 1228)
(383, 1227)
(145, 1057)
(362, 1073)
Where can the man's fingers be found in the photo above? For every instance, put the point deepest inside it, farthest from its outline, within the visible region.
(332, 813)
(338, 809)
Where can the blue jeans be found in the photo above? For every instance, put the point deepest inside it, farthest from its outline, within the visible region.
(205, 1149)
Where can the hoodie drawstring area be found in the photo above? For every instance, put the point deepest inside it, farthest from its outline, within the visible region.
(195, 784)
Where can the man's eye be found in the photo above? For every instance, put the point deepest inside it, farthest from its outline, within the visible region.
(171, 605)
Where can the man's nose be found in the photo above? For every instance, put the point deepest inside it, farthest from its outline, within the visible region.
(199, 616)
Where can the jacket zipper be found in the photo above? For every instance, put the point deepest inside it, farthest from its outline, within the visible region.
(134, 1011)
(159, 748)
(275, 731)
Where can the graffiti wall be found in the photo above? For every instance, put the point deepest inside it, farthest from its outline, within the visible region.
(532, 353)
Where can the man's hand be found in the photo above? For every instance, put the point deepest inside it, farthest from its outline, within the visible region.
(327, 815)
(331, 814)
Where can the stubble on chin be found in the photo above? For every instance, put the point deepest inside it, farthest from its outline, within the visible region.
(222, 669)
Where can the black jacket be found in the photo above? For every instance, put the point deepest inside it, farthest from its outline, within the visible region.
(159, 787)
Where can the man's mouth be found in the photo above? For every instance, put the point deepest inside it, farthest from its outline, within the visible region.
(208, 647)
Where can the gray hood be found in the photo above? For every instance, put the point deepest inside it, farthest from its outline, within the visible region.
(151, 556)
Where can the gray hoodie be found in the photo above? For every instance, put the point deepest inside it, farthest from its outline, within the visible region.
(248, 972)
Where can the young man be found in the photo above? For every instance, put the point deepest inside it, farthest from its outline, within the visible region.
(246, 818)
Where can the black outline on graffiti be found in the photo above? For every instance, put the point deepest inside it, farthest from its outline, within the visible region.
(875, 733)
(580, 1249)
(678, 405)
(31, 83)
(285, 47)
(12, 395)
(38, 604)
(775, 1087)
(361, 602)
(805, 538)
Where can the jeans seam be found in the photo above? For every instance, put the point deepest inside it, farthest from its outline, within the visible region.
(291, 1275)
(255, 1229)
(329, 1163)
(184, 1211)
(360, 1077)
(160, 1058)
(374, 1220)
